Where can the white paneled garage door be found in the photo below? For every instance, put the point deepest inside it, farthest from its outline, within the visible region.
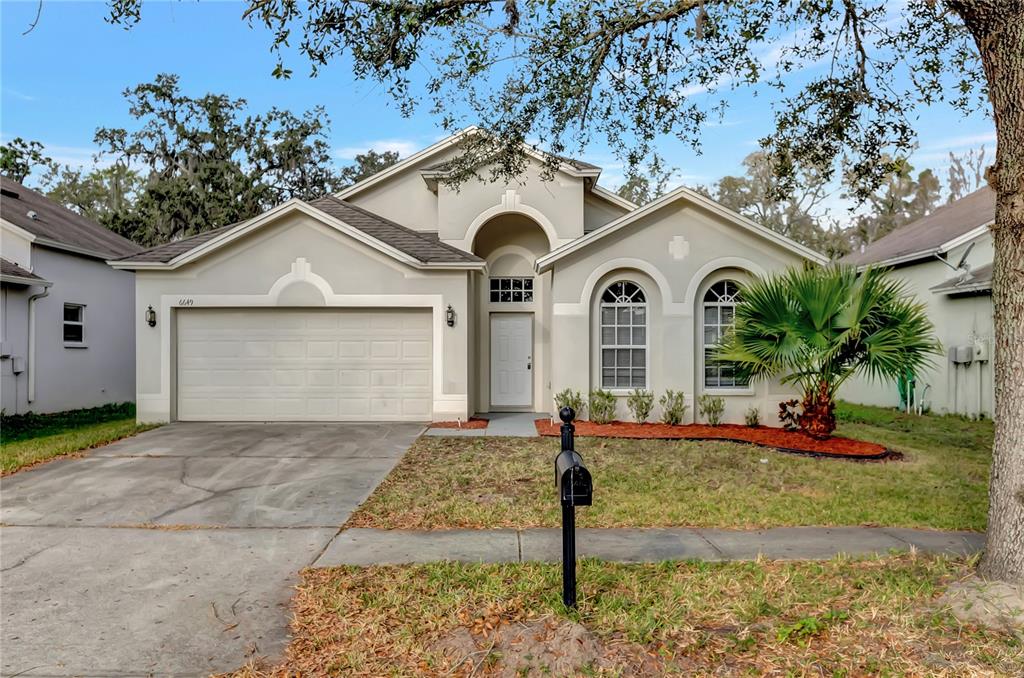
(304, 365)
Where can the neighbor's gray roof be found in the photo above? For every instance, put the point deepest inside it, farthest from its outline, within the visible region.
(56, 225)
(423, 247)
(9, 269)
(926, 235)
(979, 280)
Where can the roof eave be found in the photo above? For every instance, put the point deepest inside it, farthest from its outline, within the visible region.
(21, 280)
(959, 289)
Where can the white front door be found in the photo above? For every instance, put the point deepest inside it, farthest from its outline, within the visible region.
(512, 360)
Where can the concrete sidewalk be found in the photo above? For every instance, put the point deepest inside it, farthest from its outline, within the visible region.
(359, 546)
(512, 424)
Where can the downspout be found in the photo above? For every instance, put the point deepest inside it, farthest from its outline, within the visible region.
(32, 342)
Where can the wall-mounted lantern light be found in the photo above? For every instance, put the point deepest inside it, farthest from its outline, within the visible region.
(449, 316)
(151, 317)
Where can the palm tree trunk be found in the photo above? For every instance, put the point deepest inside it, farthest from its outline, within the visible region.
(818, 419)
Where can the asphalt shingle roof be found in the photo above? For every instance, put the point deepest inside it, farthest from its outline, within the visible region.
(11, 269)
(927, 234)
(58, 224)
(161, 254)
(423, 247)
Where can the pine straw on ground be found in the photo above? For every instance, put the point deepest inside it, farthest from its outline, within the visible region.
(841, 617)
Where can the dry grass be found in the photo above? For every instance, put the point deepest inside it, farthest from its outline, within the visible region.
(835, 618)
(445, 483)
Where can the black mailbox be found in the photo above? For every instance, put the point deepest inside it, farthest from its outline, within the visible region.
(575, 488)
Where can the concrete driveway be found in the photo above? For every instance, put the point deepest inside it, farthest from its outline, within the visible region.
(174, 552)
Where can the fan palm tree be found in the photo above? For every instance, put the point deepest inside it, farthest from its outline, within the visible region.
(819, 326)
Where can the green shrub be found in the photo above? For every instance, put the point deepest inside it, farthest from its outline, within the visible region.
(673, 407)
(571, 398)
(640, 403)
(712, 408)
(601, 406)
(753, 416)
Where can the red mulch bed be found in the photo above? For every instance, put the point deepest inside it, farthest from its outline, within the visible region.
(474, 422)
(766, 436)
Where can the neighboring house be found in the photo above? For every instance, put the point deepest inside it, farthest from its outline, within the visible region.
(67, 325)
(926, 255)
(401, 298)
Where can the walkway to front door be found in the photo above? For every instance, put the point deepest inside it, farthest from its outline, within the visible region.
(511, 361)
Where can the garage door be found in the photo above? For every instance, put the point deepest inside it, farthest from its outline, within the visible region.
(304, 365)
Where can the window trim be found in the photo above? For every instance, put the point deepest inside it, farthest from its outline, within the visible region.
(747, 390)
(81, 323)
(618, 390)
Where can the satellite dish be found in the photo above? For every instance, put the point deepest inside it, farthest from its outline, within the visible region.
(962, 267)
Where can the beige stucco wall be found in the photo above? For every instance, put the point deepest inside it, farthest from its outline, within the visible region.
(959, 321)
(597, 212)
(347, 273)
(674, 253)
(556, 203)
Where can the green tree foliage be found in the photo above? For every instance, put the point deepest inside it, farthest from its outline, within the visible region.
(794, 209)
(899, 200)
(966, 173)
(19, 158)
(816, 327)
(106, 195)
(643, 186)
(206, 163)
(366, 165)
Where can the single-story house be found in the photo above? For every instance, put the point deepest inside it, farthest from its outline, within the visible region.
(945, 259)
(400, 298)
(67, 323)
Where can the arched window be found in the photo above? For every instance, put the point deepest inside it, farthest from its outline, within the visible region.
(719, 315)
(623, 336)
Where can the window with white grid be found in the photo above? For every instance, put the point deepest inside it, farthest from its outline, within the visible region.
(623, 317)
(719, 315)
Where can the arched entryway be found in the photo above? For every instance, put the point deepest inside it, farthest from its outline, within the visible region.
(512, 331)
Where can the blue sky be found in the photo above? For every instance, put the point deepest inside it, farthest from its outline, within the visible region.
(65, 78)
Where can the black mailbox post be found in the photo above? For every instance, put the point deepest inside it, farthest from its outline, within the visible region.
(575, 488)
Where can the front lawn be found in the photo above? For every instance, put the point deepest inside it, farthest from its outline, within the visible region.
(941, 482)
(30, 439)
(835, 618)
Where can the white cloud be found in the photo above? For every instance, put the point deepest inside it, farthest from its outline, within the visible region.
(18, 95)
(404, 147)
(971, 140)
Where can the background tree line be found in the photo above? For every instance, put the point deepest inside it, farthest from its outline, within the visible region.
(799, 210)
(192, 164)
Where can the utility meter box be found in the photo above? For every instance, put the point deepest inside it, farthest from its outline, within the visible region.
(961, 355)
(17, 364)
(981, 350)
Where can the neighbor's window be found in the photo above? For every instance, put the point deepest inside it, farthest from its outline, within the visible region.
(74, 324)
(623, 336)
(719, 315)
(511, 290)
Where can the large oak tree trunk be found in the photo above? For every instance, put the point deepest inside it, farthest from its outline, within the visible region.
(998, 30)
